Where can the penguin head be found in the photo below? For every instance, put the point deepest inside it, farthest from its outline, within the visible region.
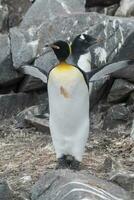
(82, 43)
(61, 49)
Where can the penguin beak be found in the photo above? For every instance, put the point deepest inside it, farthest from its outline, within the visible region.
(53, 46)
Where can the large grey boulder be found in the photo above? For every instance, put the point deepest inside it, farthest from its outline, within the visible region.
(120, 91)
(49, 9)
(23, 46)
(46, 61)
(8, 74)
(11, 104)
(68, 185)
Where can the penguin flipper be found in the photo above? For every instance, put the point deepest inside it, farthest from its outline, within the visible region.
(33, 71)
(105, 71)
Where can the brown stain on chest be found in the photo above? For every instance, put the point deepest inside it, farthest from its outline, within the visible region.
(64, 92)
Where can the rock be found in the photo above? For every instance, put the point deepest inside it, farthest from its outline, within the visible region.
(106, 167)
(126, 8)
(92, 3)
(39, 123)
(120, 91)
(31, 112)
(49, 10)
(126, 51)
(17, 9)
(5, 192)
(11, 104)
(26, 38)
(68, 185)
(125, 180)
(3, 18)
(116, 115)
(30, 83)
(23, 51)
(8, 75)
(46, 61)
(100, 91)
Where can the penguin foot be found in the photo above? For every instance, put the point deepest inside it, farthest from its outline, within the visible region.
(75, 165)
(62, 163)
(68, 161)
(72, 163)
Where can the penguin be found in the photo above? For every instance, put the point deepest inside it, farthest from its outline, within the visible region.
(81, 56)
(80, 51)
(68, 94)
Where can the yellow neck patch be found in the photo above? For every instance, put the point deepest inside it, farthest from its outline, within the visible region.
(64, 67)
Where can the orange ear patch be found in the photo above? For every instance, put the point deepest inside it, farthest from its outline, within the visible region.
(64, 92)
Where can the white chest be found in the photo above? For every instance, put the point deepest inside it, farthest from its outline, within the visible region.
(84, 62)
(69, 111)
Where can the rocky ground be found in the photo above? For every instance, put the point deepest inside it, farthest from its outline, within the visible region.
(25, 154)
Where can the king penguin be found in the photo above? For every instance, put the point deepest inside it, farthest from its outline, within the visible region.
(68, 93)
